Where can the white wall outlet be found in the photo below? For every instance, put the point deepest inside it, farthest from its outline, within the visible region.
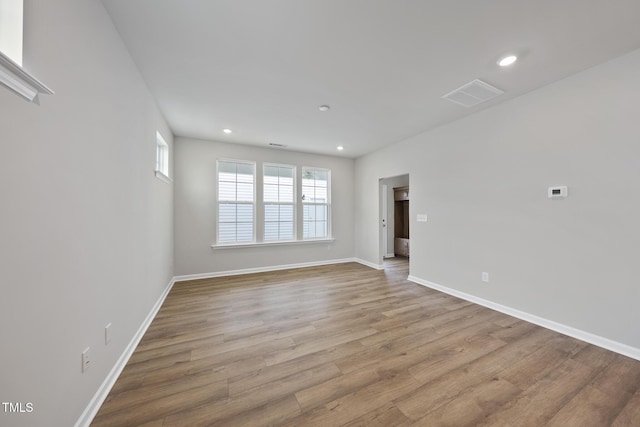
(107, 334)
(485, 277)
(85, 359)
(421, 218)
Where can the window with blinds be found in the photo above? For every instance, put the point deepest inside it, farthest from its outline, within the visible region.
(236, 201)
(315, 203)
(279, 202)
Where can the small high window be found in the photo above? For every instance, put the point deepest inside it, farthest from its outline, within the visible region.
(162, 157)
(11, 29)
(12, 75)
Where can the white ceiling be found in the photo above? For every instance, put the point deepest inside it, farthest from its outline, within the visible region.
(263, 67)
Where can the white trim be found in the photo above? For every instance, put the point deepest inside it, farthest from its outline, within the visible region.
(597, 340)
(261, 269)
(370, 264)
(98, 398)
(163, 177)
(272, 243)
(18, 80)
(390, 255)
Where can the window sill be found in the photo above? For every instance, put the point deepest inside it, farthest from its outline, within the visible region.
(278, 243)
(163, 177)
(15, 78)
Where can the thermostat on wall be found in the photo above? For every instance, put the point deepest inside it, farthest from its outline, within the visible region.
(558, 192)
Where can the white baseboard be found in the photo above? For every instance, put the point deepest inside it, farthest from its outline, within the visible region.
(369, 264)
(597, 340)
(261, 269)
(98, 398)
(391, 255)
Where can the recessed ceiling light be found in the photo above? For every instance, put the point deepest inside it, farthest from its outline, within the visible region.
(324, 108)
(340, 148)
(507, 60)
(227, 131)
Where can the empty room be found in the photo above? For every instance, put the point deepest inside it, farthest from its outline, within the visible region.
(319, 213)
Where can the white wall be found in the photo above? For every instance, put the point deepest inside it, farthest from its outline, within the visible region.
(483, 183)
(86, 229)
(195, 202)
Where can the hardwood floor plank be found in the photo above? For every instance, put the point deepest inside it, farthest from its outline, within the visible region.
(590, 407)
(630, 414)
(159, 391)
(255, 398)
(337, 387)
(349, 345)
(309, 347)
(538, 403)
(473, 405)
(157, 408)
(532, 367)
(258, 377)
(269, 414)
(418, 404)
(604, 398)
(449, 355)
(367, 399)
(384, 416)
(425, 343)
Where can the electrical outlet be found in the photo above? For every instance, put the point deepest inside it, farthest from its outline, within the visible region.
(485, 277)
(107, 334)
(85, 359)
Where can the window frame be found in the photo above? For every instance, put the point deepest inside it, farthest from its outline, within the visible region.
(12, 30)
(259, 208)
(162, 158)
(12, 74)
(253, 203)
(293, 203)
(328, 232)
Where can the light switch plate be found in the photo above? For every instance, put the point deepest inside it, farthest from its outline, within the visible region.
(422, 218)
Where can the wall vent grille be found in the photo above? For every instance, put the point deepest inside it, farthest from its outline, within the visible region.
(473, 93)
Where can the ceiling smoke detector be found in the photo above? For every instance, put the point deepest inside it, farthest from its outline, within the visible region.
(324, 108)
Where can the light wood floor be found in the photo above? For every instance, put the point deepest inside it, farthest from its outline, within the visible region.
(349, 345)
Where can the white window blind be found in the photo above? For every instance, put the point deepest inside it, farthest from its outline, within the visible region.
(279, 202)
(236, 201)
(315, 203)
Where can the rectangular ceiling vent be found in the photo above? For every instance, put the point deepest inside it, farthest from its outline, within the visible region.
(473, 93)
(275, 144)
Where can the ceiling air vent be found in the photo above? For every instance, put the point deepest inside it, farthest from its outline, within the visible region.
(274, 144)
(473, 93)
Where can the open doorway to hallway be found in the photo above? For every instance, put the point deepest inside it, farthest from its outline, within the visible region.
(394, 218)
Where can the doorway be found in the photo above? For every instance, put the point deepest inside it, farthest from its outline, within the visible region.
(394, 217)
